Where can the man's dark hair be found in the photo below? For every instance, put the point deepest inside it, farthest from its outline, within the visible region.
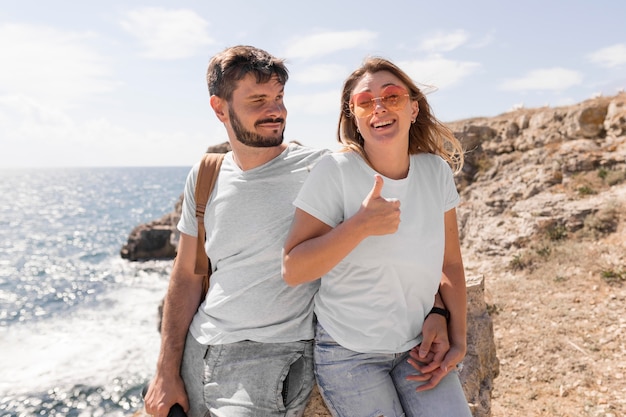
(234, 63)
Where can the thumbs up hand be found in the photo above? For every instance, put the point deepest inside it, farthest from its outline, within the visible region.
(380, 216)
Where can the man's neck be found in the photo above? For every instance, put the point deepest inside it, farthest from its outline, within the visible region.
(248, 157)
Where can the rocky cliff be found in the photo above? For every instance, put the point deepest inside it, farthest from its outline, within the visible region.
(530, 166)
(542, 221)
(533, 170)
(532, 177)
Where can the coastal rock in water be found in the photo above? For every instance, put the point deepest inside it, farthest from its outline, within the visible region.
(155, 240)
(158, 239)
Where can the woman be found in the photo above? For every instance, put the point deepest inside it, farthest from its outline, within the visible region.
(377, 222)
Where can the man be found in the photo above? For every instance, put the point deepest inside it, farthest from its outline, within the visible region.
(247, 349)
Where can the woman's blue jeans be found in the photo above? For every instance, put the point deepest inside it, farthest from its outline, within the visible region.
(357, 384)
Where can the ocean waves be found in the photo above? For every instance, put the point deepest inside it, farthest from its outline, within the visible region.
(78, 324)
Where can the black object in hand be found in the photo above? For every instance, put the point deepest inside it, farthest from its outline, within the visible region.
(177, 411)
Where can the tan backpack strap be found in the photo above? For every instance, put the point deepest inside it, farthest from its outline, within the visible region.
(207, 175)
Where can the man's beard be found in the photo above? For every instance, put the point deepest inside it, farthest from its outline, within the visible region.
(253, 139)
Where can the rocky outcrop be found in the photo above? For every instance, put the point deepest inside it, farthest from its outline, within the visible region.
(518, 164)
(530, 174)
(481, 365)
(155, 240)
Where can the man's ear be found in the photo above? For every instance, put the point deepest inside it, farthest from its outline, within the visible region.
(220, 107)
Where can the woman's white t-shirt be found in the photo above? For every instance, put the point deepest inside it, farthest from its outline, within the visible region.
(375, 300)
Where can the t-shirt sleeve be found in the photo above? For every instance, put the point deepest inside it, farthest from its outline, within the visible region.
(321, 195)
(188, 224)
(451, 197)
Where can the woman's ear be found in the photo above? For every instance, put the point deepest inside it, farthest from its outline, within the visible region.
(415, 109)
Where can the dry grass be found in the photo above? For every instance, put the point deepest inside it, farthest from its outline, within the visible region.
(560, 327)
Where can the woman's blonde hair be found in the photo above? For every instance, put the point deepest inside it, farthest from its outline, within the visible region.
(426, 135)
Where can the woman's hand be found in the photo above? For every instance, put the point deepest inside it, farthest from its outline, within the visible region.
(435, 357)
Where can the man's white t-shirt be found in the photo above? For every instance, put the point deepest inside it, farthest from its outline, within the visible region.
(247, 219)
(375, 300)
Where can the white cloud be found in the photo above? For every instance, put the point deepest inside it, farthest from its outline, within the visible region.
(480, 43)
(167, 34)
(609, 57)
(53, 66)
(36, 135)
(317, 74)
(552, 79)
(328, 42)
(438, 72)
(444, 41)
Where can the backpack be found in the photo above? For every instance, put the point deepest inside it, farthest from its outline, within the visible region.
(207, 176)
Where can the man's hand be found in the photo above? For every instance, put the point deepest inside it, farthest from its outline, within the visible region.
(435, 343)
(163, 393)
(434, 357)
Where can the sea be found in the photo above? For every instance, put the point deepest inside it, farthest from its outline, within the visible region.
(78, 324)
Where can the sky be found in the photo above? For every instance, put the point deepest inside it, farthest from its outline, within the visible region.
(122, 83)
